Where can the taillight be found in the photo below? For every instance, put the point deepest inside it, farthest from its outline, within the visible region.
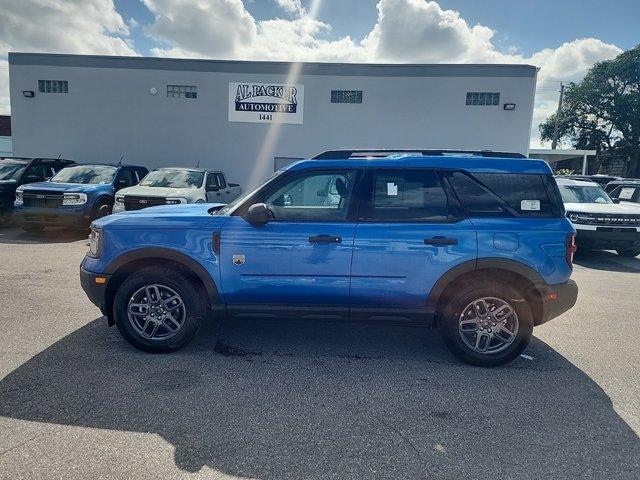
(571, 248)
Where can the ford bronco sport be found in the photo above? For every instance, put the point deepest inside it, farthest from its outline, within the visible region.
(475, 244)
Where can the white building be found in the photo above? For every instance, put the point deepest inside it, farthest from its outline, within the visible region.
(249, 118)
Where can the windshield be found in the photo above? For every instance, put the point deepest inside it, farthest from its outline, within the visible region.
(11, 171)
(86, 174)
(232, 205)
(173, 179)
(583, 194)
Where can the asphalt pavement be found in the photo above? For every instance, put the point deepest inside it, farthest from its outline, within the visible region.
(293, 400)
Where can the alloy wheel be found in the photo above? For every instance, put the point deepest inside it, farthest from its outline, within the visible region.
(156, 312)
(488, 325)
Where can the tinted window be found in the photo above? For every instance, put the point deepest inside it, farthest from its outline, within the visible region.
(524, 193)
(126, 178)
(476, 200)
(627, 193)
(319, 196)
(406, 195)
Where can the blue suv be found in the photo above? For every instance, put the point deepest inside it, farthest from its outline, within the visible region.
(75, 196)
(477, 245)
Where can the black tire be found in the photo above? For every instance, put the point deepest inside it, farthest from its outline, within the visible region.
(102, 209)
(6, 219)
(629, 253)
(463, 296)
(32, 228)
(175, 281)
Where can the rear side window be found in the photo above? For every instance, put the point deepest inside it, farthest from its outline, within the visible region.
(506, 194)
(406, 195)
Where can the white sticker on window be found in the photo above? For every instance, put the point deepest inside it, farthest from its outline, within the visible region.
(626, 193)
(392, 189)
(530, 205)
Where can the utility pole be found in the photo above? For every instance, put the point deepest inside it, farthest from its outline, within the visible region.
(554, 143)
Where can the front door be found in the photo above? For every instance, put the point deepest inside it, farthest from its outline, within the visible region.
(408, 235)
(299, 263)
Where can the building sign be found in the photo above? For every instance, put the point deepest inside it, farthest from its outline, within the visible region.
(266, 103)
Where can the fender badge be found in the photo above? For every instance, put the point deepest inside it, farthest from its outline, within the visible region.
(238, 259)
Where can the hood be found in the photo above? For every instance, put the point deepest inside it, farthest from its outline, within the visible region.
(612, 208)
(64, 187)
(160, 191)
(191, 215)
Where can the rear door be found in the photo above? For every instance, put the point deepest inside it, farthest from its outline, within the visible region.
(409, 234)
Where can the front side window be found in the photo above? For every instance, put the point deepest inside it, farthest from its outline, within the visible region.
(173, 179)
(407, 195)
(583, 194)
(86, 174)
(318, 196)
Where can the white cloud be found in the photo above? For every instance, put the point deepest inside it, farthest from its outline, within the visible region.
(216, 28)
(405, 31)
(293, 7)
(4, 87)
(63, 26)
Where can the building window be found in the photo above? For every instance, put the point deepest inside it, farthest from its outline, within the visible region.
(53, 86)
(346, 96)
(182, 91)
(483, 98)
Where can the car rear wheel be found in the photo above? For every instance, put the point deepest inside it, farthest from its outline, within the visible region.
(487, 325)
(157, 310)
(631, 252)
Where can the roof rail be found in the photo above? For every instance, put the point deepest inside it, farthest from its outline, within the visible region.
(381, 153)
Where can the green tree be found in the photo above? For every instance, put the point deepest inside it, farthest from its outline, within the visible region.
(602, 112)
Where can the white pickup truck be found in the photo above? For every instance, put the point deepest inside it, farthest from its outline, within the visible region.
(172, 186)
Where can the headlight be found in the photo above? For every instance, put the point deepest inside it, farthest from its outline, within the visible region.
(74, 199)
(95, 239)
(176, 201)
(577, 217)
(19, 200)
(118, 205)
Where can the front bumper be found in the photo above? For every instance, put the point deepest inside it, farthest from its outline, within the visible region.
(63, 216)
(557, 299)
(607, 238)
(95, 291)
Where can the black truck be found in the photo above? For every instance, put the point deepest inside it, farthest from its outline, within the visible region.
(16, 171)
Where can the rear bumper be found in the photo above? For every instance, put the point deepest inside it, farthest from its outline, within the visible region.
(95, 291)
(557, 299)
(608, 237)
(74, 217)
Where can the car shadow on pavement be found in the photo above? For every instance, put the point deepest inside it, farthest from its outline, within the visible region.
(283, 400)
(604, 260)
(14, 235)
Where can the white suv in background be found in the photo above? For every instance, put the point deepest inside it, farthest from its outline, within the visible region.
(601, 223)
(172, 186)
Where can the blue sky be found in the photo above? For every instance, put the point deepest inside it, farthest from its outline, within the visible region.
(564, 38)
(527, 25)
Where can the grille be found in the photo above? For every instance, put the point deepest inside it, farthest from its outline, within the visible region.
(42, 199)
(617, 220)
(138, 203)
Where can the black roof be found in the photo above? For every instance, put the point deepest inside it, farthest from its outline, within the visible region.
(186, 169)
(377, 152)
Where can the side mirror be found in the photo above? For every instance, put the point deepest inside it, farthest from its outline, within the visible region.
(258, 214)
(32, 179)
(212, 188)
(616, 200)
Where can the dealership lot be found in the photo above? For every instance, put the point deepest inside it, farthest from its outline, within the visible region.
(290, 400)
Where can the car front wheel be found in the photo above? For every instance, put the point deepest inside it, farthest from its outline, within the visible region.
(487, 325)
(157, 310)
(630, 252)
